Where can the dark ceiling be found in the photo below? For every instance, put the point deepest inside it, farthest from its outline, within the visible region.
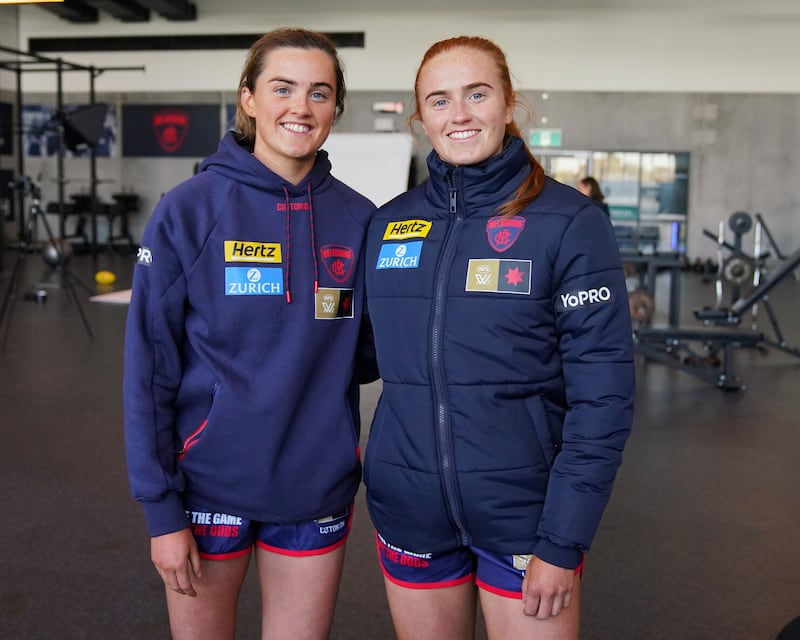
(88, 11)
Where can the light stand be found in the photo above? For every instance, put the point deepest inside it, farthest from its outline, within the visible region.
(56, 256)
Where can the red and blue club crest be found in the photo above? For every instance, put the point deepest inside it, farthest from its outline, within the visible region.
(338, 261)
(503, 232)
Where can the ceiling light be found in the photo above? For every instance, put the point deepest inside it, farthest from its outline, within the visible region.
(30, 1)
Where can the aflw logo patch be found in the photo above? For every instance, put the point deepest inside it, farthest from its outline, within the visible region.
(241, 251)
(332, 304)
(499, 276)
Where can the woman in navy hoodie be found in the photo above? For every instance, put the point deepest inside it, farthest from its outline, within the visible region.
(504, 343)
(240, 394)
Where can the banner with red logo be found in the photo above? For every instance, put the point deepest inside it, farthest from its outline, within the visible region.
(183, 130)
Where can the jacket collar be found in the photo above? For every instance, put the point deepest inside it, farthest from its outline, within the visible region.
(483, 187)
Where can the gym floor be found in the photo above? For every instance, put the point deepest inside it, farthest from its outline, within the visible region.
(699, 540)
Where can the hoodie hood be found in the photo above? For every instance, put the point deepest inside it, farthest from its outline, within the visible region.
(236, 161)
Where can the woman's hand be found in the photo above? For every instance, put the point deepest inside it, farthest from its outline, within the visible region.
(546, 589)
(177, 560)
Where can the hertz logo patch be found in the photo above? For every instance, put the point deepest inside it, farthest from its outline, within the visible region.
(405, 229)
(241, 251)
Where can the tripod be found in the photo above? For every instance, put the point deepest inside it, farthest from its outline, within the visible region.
(59, 258)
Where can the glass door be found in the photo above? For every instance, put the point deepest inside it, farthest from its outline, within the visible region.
(565, 166)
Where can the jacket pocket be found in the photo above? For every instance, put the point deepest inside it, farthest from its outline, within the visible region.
(197, 435)
(541, 425)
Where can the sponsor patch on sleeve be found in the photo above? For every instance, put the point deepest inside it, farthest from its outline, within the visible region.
(499, 276)
(404, 255)
(144, 257)
(253, 281)
(583, 298)
(333, 304)
(407, 229)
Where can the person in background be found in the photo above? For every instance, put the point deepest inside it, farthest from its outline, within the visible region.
(503, 339)
(589, 187)
(240, 395)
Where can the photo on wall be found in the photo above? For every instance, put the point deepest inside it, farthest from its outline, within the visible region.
(82, 126)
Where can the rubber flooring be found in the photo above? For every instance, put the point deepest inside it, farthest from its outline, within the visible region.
(699, 542)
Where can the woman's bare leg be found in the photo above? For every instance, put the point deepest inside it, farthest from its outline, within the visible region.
(298, 594)
(505, 619)
(211, 615)
(432, 614)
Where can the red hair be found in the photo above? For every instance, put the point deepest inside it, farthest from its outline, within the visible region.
(534, 183)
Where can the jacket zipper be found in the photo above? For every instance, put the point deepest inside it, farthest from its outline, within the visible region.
(443, 426)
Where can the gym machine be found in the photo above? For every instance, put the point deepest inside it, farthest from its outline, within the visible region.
(646, 266)
(707, 353)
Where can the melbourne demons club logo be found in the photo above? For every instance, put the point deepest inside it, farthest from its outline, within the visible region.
(338, 261)
(170, 127)
(503, 232)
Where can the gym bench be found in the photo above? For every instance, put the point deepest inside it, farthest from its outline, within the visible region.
(672, 346)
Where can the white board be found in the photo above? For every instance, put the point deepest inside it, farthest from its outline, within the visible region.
(374, 164)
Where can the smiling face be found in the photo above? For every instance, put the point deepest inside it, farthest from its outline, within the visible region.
(294, 105)
(462, 105)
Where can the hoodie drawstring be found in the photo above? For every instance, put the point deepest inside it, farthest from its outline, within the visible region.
(287, 270)
(288, 247)
(313, 240)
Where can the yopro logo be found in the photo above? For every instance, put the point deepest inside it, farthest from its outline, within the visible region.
(144, 256)
(583, 298)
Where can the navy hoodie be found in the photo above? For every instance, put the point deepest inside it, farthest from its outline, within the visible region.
(506, 354)
(239, 388)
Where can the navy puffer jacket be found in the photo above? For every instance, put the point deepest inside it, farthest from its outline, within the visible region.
(506, 353)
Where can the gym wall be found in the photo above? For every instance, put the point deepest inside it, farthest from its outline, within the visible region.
(671, 79)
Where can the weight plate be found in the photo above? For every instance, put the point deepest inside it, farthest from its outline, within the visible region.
(738, 270)
(740, 222)
(641, 305)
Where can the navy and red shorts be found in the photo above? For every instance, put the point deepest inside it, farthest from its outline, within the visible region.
(221, 536)
(501, 574)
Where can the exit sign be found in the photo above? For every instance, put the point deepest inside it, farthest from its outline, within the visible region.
(545, 138)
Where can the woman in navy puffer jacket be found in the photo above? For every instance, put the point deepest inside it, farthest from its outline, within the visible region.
(504, 342)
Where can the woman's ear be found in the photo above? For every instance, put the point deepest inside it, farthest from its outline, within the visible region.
(246, 100)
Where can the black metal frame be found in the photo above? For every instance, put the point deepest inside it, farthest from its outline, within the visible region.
(673, 346)
(68, 279)
(26, 62)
